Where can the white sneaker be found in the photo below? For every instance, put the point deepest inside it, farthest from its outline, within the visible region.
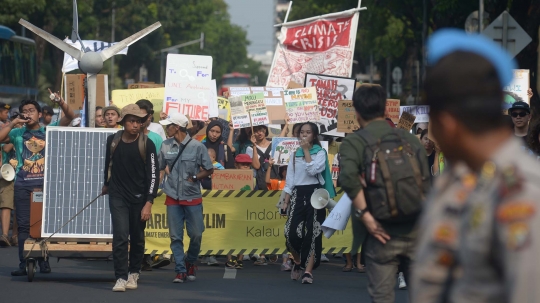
(401, 281)
(120, 285)
(324, 258)
(246, 258)
(132, 281)
(212, 261)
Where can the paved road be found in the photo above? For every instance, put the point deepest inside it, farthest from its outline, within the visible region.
(79, 281)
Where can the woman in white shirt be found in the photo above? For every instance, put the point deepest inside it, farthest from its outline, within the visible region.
(308, 170)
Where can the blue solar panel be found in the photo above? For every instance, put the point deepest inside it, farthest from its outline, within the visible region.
(74, 163)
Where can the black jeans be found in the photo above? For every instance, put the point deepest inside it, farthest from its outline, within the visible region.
(127, 229)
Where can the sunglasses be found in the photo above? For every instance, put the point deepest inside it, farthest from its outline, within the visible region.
(520, 114)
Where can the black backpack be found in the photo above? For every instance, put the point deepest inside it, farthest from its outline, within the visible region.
(260, 176)
(395, 188)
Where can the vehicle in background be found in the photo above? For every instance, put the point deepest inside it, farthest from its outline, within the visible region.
(18, 67)
(233, 79)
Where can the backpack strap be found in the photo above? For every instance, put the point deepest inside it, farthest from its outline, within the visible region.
(114, 144)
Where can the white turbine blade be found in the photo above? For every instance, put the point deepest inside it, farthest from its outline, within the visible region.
(109, 52)
(92, 92)
(68, 49)
(75, 27)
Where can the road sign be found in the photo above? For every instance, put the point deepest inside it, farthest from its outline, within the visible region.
(397, 74)
(506, 31)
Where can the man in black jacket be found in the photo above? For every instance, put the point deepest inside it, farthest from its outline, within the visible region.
(131, 181)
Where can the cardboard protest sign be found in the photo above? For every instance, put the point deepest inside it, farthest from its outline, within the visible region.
(189, 88)
(346, 118)
(324, 45)
(123, 97)
(420, 111)
(393, 110)
(517, 89)
(283, 148)
(232, 179)
(198, 99)
(255, 106)
(293, 84)
(406, 121)
(224, 108)
(273, 98)
(144, 85)
(74, 90)
(301, 105)
(239, 115)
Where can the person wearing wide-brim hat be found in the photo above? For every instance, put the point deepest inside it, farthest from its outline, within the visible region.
(131, 181)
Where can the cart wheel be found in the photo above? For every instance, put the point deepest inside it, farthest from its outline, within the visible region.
(30, 269)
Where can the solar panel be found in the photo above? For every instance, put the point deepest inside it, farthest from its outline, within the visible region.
(74, 163)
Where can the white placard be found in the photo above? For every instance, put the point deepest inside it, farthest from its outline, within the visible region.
(198, 99)
(420, 111)
(338, 217)
(187, 68)
(520, 84)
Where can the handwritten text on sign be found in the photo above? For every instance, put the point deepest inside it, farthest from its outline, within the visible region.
(232, 179)
(392, 110)
(319, 36)
(301, 105)
(195, 99)
(346, 122)
(254, 104)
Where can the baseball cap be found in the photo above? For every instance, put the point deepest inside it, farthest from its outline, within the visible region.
(177, 119)
(47, 110)
(112, 107)
(242, 158)
(5, 106)
(520, 105)
(132, 109)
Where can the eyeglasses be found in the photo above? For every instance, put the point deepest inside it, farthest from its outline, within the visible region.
(521, 114)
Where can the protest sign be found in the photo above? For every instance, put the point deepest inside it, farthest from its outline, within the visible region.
(188, 87)
(518, 87)
(293, 84)
(74, 90)
(232, 179)
(321, 46)
(71, 64)
(224, 108)
(330, 89)
(283, 148)
(273, 99)
(406, 121)
(123, 97)
(420, 111)
(239, 115)
(198, 99)
(301, 105)
(392, 110)
(144, 85)
(346, 118)
(255, 106)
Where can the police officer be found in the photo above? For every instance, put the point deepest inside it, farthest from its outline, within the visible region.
(479, 239)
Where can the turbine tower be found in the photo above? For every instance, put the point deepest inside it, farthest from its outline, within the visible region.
(90, 62)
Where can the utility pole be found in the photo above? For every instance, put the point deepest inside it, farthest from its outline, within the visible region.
(480, 16)
(111, 79)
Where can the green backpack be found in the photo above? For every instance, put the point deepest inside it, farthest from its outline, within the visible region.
(395, 188)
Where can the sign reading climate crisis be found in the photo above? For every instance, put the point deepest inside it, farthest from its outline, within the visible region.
(234, 221)
(319, 36)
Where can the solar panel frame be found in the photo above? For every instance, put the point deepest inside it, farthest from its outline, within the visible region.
(74, 163)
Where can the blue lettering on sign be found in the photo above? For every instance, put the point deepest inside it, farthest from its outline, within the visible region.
(199, 73)
(171, 99)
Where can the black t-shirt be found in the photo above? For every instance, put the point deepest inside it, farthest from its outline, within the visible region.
(131, 179)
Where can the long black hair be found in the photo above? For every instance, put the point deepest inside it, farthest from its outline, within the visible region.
(314, 131)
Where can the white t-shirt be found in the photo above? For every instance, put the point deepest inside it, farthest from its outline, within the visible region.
(158, 129)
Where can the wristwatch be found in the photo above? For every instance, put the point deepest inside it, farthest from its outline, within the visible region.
(194, 178)
(359, 213)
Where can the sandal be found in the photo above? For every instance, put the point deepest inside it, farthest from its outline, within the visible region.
(346, 269)
(307, 278)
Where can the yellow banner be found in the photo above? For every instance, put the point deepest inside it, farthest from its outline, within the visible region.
(123, 97)
(237, 222)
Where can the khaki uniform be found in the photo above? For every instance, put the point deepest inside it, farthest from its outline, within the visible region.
(480, 236)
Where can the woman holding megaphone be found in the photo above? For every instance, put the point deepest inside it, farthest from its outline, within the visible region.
(308, 170)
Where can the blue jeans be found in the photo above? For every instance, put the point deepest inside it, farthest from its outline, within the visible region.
(192, 216)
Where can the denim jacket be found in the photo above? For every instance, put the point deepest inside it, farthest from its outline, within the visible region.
(194, 156)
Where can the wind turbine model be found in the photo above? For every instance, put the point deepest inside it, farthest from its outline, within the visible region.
(90, 62)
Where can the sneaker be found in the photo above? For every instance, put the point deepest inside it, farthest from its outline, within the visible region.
(180, 278)
(44, 267)
(231, 263)
(262, 261)
(255, 257)
(307, 278)
(146, 266)
(191, 274)
(132, 281)
(296, 272)
(401, 281)
(239, 265)
(212, 261)
(286, 266)
(19, 272)
(120, 285)
(160, 261)
(324, 258)
(246, 258)
(4, 241)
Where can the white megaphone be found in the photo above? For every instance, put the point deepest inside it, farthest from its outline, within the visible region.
(321, 199)
(7, 172)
